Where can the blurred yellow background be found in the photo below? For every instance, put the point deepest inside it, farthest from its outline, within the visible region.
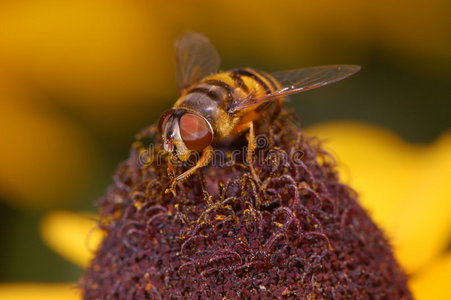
(79, 78)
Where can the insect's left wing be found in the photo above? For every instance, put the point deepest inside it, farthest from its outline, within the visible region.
(196, 58)
(297, 81)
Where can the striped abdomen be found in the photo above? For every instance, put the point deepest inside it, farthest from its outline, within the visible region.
(213, 96)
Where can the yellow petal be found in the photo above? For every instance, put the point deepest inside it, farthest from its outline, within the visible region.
(35, 291)
(404, 187)
(73, 236)
(373, 161)
(44, 157)
(424, 224)
(433, 282)
(103, 59)
(110, 49)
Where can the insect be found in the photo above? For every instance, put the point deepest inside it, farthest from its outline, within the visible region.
(215, 105)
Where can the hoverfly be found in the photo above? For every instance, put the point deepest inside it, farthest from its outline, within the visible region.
(215, 105)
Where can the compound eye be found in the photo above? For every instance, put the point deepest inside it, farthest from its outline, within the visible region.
(163, 119)
(195, 131)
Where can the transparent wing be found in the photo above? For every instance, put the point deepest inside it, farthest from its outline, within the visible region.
(297, 81)
(196, 58)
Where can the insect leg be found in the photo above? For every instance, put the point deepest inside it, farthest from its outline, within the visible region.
(170, 169)
(202, 162)
(250, 152)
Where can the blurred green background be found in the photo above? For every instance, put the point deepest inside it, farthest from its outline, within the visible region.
(79, 78)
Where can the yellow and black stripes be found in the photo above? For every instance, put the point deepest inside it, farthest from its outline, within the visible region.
(218, 99)
(226, 87)
(222, 94)
(252, 83)
(256, 76)
(239, 82)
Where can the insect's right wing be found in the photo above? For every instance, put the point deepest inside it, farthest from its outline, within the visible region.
(196, 58)
(297, 81)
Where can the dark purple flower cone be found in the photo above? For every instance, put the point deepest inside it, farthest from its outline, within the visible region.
(299, 234)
